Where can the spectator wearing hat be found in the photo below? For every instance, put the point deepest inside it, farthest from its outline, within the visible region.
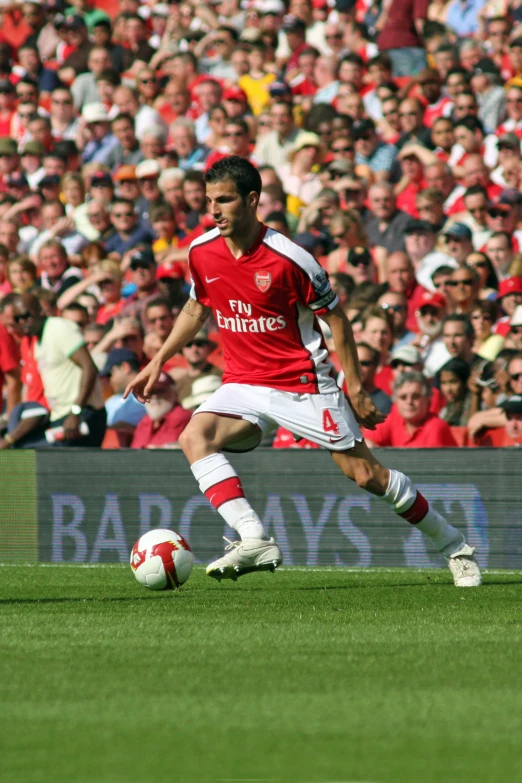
(121, 366)
(196, 354)
(128, 151)
(235, 102)
(143, 269)
(126, 182)
(147, 175)
(411, 424)
(458, 239)
(371, 152)
(301, 181)
(30, 161)
(202, 389)
(274, 147)
(128, 233)
(165, 419)
(405, 358)
(9, 160)
(509, 297)
(491, 96)
(94, 137)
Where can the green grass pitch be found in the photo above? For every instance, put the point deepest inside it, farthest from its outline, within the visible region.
(302, 676)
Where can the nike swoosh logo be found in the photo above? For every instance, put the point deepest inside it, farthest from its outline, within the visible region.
(211, 279)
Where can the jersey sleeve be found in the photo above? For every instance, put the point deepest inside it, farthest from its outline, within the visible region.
(197, 288)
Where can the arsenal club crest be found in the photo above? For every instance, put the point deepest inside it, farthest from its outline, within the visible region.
(263, 280)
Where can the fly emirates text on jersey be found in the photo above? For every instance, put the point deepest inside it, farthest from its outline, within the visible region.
(241, 321)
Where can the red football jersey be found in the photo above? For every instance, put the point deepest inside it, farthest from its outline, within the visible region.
(266, 304)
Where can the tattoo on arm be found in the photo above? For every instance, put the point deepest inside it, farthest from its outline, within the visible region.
(196, 310)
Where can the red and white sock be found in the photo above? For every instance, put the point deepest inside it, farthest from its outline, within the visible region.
(405, 499)
(220, 483)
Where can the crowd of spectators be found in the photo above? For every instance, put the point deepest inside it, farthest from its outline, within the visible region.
(388, 139)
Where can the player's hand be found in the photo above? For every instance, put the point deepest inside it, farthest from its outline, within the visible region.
(365, 411)
(142, 384)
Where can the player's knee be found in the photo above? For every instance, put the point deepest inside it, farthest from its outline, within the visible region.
(188, 439)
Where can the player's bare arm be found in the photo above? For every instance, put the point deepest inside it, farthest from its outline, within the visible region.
(362, 404)
(188, 323)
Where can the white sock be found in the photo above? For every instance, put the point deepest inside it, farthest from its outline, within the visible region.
(403, 496)
(237, 512)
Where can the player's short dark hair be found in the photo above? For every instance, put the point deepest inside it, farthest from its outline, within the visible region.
(240, 171)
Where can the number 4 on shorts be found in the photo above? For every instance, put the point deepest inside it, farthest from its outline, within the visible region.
(329, 424)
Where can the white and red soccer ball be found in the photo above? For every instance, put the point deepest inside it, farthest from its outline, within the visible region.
(161, 560)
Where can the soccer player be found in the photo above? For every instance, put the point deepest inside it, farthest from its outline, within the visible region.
(266, 294)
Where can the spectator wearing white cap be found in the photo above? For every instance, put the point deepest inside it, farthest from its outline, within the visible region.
(147, 175)
(94, 136)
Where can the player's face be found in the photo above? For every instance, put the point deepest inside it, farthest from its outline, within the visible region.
(232, 215)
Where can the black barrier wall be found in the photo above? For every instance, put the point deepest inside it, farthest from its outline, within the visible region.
(92, 506)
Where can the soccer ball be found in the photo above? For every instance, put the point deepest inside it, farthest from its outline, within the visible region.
(161, 560)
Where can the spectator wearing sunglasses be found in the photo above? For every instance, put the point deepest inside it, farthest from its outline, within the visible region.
(396, 304)
(196, 354)
(463, 289)
(369, 361)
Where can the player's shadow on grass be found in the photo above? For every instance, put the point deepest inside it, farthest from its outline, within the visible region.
(4, 601)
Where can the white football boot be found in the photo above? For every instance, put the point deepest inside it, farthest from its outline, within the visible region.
(244, 557)
(464, 567)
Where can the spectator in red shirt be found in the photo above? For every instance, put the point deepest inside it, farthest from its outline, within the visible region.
(410, 423)
(9, 369)
(165, 419)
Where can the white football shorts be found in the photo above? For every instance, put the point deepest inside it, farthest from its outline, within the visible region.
(326, 419)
